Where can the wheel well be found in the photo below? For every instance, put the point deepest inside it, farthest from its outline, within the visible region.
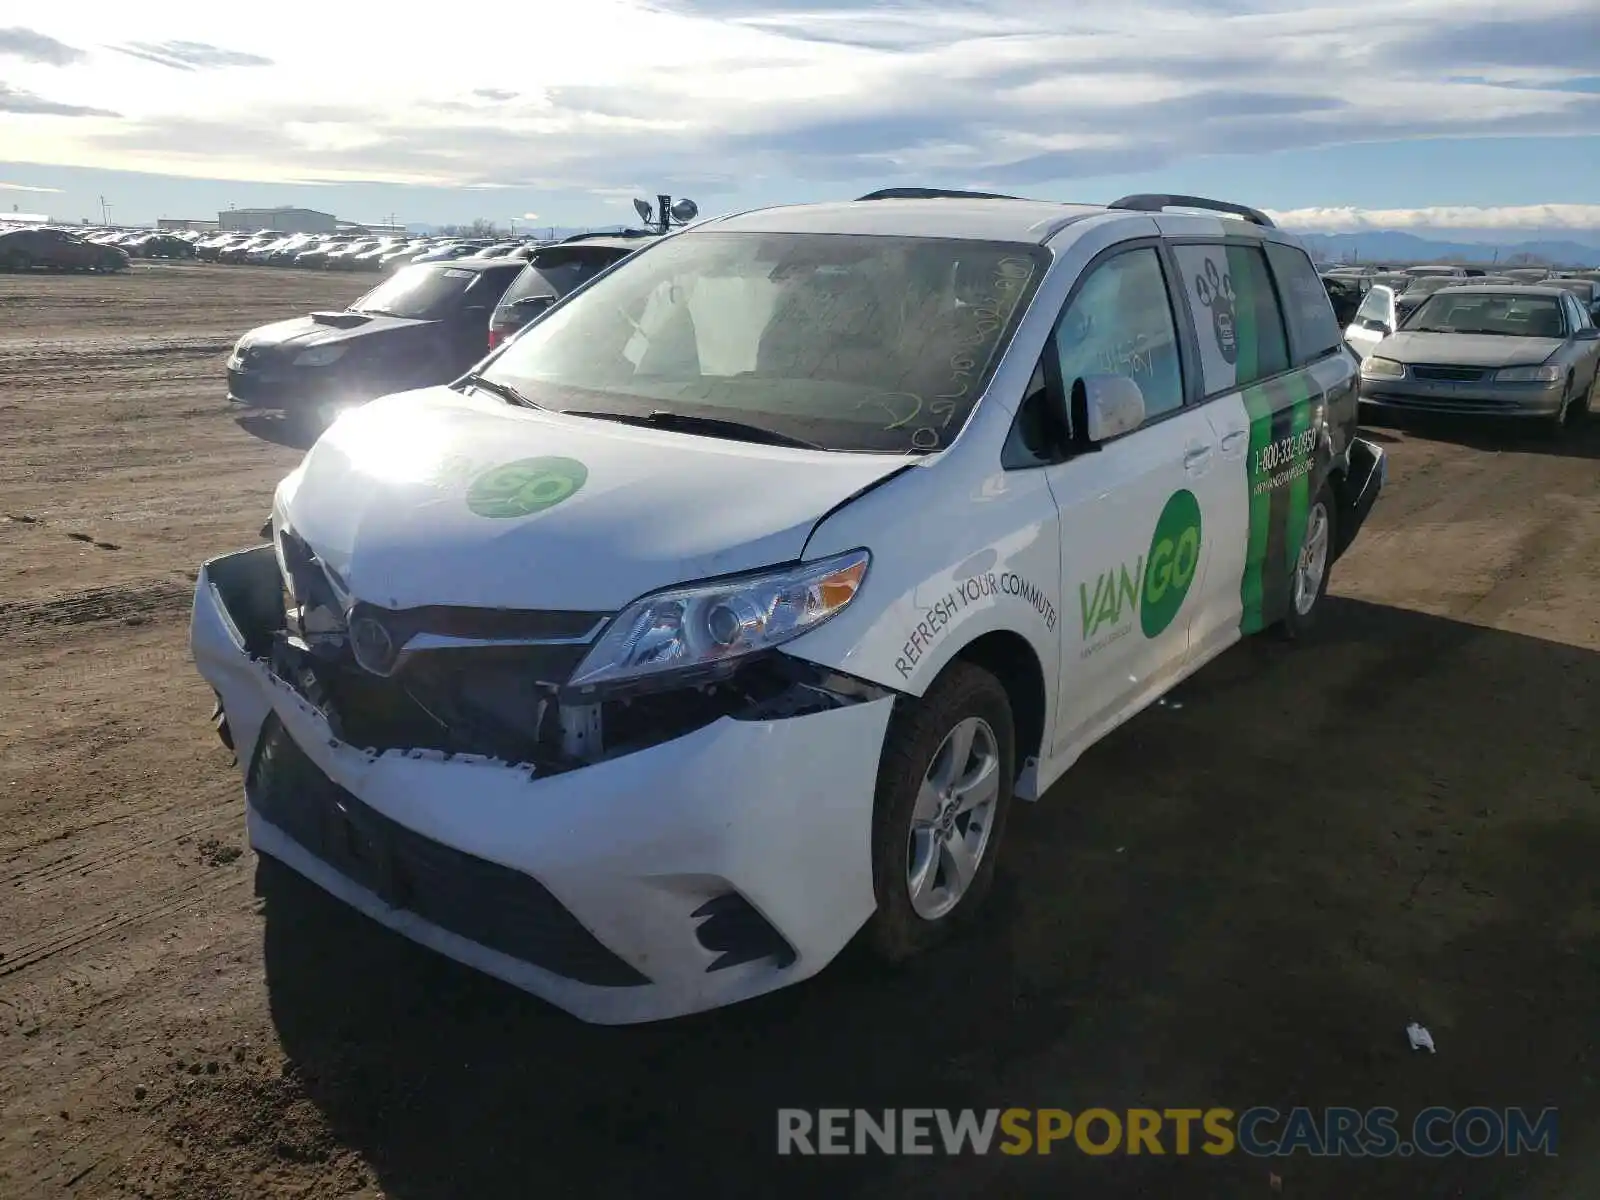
(1010, 659)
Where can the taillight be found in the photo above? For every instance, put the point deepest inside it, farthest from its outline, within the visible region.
(495, 338)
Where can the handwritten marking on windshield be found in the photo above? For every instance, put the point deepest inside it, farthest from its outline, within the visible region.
(986, 318)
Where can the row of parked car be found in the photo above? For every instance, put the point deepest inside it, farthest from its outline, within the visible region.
(1348, 285)
(349, 252)
(425, 325)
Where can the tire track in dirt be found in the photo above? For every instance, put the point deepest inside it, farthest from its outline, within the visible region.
(87, 860)
(155, 598)
(72, 935)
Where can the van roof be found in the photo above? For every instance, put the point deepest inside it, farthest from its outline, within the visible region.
(981, 216)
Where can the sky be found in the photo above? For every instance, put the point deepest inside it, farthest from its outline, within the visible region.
(1475, 118)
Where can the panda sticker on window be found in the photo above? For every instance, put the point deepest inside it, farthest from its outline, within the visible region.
(1215, 291)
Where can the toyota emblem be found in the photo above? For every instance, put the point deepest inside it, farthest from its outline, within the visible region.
(373, 647)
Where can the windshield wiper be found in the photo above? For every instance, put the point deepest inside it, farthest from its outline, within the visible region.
(709, 426)
(495, 388)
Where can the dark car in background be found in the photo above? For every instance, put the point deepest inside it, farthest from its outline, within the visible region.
(210, 249)
(58, 250)
(342, 258)
(160, 245)
(552, 272)
(237, 252)
(318, 253)
(403, 255)
(370, 258)
(426, 325)
(1345, 291)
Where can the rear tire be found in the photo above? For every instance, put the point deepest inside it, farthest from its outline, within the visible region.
(1308, 582)
(943, 794)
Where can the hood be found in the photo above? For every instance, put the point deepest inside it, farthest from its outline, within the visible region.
(1467, 349)
(303, 332)
(434, 497)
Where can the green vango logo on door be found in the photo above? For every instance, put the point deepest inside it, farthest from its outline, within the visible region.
(1153, 585)
(1174, 555)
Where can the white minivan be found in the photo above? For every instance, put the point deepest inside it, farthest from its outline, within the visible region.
(718, 616)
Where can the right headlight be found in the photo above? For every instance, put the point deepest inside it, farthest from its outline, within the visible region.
(1547, 373)
(1374, 367)
(701, 625)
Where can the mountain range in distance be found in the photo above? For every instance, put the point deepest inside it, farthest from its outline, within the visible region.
(1396, 246)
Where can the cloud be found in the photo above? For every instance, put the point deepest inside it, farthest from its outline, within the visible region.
(1563, 40)
(704, 96)
(190, 56)
(1543, 218)
(15, 100)
(24, 187)
(37, 48)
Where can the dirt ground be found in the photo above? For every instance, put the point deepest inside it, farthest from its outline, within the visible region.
(1239, 899)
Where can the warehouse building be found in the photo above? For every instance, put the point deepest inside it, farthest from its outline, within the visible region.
(176, 223)
(290, 220)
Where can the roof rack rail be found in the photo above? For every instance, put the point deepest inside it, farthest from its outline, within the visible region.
(920, 193)
(1153, 203)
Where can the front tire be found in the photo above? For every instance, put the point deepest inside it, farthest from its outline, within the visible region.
(944, 792)
(1308, 582)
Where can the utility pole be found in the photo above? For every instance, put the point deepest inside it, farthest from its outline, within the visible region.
(105, 212)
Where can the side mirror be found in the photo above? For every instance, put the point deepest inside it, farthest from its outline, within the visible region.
(1112, 405)
(1377, 326)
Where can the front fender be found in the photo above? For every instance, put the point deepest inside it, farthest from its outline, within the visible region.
(951, 561)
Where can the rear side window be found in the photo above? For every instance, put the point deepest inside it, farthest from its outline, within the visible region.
(490, 285)
(1313, 328)
(1238, 323)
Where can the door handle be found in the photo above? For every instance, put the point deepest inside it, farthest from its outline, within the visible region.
(1196, 458)
(1234, 442)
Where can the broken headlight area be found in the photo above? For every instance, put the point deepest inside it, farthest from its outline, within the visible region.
(500, 703)
(495, 683)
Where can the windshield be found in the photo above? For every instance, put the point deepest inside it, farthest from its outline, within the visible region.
(879, 344)
(1502, 314)
(421, 292)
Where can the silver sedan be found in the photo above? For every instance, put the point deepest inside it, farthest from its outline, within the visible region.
(1514, 351)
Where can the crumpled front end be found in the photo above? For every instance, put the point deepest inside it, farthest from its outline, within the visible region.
(625, 866)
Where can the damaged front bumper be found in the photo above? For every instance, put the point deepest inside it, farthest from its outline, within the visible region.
(721, 864)
(1366, 471)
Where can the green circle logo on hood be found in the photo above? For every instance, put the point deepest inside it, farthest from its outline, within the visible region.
(1170, 566)
(525, 487)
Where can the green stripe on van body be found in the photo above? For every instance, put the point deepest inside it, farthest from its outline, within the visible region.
(1305, 387)
(1274, 568)
(1258, 407)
